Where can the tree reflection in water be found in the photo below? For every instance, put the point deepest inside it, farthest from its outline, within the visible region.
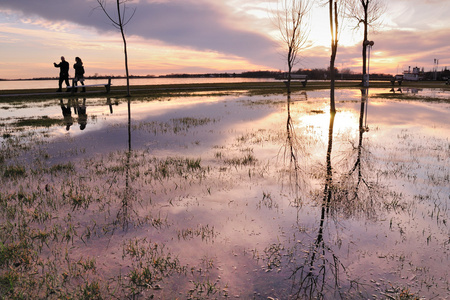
(309, 278)
(110, 104)
(123, 215)
(316, 270)
(292, 152)
(355, 193)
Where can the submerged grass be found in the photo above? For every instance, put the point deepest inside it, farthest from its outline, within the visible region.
(14, 171)
(150, 264)
(60, 213)
(172, 166)
(44, 121)
(176, 126)
(50, 220)
(248, 159)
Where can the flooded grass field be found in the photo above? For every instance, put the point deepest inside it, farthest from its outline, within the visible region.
(226, 196)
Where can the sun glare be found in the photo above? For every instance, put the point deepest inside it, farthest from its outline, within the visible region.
(320, 30)
(319, 121)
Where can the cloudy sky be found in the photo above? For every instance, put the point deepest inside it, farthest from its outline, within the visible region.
(200, 36)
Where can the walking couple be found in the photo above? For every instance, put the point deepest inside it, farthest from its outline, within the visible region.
(64, 74)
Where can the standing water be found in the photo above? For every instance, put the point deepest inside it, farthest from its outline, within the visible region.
(221, 196)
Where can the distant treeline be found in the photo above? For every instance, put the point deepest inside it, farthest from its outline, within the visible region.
(344, 74)
(440, 75)
(316, 74)
(313, 74)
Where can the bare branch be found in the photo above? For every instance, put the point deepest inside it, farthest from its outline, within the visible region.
(120, 23)
(129, 19)
(367, 13)
(291, 21)
(102, 5)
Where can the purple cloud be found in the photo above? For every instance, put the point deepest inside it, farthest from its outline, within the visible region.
(197, 25)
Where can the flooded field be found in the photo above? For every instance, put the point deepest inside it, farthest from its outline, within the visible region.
(226, 196)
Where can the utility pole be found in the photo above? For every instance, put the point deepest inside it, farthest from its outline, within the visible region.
(436, 66)
(367, 44)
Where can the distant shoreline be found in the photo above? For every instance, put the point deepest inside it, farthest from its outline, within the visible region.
(274, 87)
(251, 74)
(313, 74)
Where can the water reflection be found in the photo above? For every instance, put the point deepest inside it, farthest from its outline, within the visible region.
(414, 91)
(123, 215)
(356, 194)
(362, 129)
(82, 116)
(396, 90)
(79, 108)
(67, 113)
(317, 270)
(292, 146)
(309, 273)
(310, 280)
(325, 236)
(110, 104)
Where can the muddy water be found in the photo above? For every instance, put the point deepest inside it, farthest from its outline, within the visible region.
(236, 196)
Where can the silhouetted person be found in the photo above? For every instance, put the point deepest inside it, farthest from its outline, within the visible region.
(79, 73)
(82, 116)
(67, 114)
(63, 74)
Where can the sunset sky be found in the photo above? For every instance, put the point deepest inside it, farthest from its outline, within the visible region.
(207, 36)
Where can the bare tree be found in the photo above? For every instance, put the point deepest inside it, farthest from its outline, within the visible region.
(120, 21)
(335, 15)
(334, 22)
(368, 14)
(291, 20)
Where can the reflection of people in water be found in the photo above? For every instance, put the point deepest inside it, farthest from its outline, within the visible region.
(82, 116)
(398, 90)
(67, 114)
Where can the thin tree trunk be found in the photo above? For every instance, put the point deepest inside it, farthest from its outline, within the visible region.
(289, 72)
(126, 64)
(365, 5)
(124, 48)
(120, 23)
(334, 43)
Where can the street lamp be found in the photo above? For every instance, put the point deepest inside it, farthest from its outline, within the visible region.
(366, 79)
